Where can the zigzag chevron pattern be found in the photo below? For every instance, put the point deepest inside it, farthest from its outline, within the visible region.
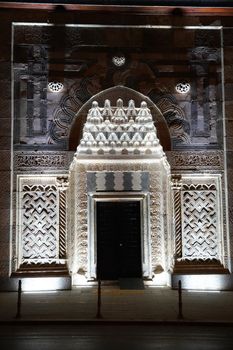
(40, 223)
(200, 225)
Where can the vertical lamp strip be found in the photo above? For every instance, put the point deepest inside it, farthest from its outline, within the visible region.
(177, 215)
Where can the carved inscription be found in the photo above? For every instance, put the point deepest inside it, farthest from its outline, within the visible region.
(35, 160)
(195, 159)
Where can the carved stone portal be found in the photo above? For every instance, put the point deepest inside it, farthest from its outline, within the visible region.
(119, 159)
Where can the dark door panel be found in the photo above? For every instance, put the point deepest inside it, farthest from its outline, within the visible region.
(118, 240)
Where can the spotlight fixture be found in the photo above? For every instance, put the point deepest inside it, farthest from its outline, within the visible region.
(183, 87)
(55, 86)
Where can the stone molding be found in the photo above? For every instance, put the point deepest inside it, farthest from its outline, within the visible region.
(33, 160)
(196, 159)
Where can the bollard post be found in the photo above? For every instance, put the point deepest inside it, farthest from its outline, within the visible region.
(18, 313)
(180, 305)
(98, 314)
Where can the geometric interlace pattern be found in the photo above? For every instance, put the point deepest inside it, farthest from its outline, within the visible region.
(39, 223)
(200, 238)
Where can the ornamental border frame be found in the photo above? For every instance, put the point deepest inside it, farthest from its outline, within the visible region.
(143, 198)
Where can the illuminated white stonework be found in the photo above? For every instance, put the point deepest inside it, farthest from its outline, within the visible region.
(120, 140)
(120, 158)
(198, 213)
(119, 130)
(42, 220)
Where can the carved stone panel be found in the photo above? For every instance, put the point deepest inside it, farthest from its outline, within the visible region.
(41, 220)
(200, 222)
(199, 234)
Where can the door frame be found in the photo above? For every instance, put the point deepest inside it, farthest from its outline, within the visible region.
(143, 198)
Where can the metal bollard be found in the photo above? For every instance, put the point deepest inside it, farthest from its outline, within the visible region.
(18, 313)
(180, 305)
(98, 314)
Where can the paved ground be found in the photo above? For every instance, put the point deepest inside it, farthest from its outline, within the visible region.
(180, 336)
(151, 304)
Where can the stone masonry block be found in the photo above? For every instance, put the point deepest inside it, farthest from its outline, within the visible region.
(4, 268)
(5, 129)
(228, 73)
(5, 200)
(5, 70)
(5, 142)
(229, 91)
(4, 225)
(229, 127)
(4, 251)
(5, 160)
(228, 55)
(229, 143)
(5, 108)
(229, 157)
(228, 36)
(5, 88)
(229, 109)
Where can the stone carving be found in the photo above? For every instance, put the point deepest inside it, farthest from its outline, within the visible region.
(119, 130)
(67, 109)
(118, 181)
(39, 223)
(200, 238)
(158, 239)
(178, 124)
(69, 104)
(62, 184)
(193, 121)
(109, 134)
(42, 220)
(29, 160)
(183, 87)
(195, 159)
(176, 185)
(204, 53)
(81, 237)
(31, 34)
(197, 222)
(118, 60)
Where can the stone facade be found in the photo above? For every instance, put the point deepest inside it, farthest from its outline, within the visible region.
(41, 130)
